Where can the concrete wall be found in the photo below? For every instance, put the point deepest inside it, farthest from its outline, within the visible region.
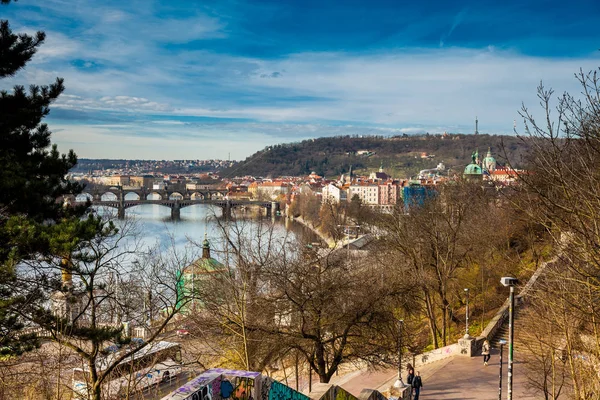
(225, 384)
(436, 355)
(327, 391)
(370, 394)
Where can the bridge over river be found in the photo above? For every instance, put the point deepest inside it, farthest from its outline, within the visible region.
(173, 199)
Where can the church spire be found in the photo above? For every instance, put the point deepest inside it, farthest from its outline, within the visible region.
(205, 247)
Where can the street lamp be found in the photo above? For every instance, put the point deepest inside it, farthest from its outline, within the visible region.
(510, 282)
(399, 383)
(347, 232)
(502, 343)
(467, 336)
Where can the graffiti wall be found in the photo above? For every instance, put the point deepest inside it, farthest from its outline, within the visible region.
(225, 384)
(279, 391)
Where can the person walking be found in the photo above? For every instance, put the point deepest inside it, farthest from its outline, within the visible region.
(485, 352)
(411, 375)
(417, 385)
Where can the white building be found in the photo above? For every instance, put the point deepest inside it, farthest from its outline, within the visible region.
(334, 193)
(367, 192)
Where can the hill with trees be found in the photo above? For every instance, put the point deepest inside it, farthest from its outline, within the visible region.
(402, 156)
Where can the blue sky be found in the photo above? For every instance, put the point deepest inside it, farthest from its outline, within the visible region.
(201, 79)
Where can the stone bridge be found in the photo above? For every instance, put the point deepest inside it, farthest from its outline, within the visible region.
(142, 193)
(175, 200)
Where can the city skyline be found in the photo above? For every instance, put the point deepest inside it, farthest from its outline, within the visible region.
(200, 80)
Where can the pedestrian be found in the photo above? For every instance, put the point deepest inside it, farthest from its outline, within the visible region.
(417, 385)
(411, 375)
(485, 352)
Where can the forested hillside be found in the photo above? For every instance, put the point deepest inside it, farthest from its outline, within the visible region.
(400, 155)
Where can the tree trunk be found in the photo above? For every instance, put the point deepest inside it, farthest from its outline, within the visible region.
(96, 392)
(322, 368)
(444, 325)
(431, 318)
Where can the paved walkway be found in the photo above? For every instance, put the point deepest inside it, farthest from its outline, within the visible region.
(463, 378)
(454, 378)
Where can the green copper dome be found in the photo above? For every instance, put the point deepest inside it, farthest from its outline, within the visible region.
(204, 265)
(489, 162)
(473, 169)
(195, 275)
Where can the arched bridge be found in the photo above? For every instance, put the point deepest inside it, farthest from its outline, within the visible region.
(142, 193)
(175, 200)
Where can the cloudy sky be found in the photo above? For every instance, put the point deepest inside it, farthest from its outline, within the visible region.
(196, 79)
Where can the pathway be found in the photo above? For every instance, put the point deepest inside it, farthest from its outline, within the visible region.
(453, 378)
(464, 378)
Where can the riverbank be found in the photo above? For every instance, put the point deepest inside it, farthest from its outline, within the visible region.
(330, 242)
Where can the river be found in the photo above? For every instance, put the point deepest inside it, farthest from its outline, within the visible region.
(155, 227)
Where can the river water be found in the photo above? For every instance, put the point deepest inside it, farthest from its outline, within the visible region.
(155, 228)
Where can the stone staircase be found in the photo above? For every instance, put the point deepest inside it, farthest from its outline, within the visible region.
(523, 336)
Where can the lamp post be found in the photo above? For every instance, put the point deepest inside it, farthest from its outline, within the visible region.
(502, 343)
(467, 336)
(399, 383)
(510, 282)
(347, 232)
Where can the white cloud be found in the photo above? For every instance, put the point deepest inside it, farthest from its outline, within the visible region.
(108, 103)
(169, 122)
(439, 87)
(135, 142)
(56, 46)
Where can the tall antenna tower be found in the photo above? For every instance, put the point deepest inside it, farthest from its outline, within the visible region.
(476, 126)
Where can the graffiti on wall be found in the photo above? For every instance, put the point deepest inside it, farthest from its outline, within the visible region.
(195, 389)
(279, 391)
(224, 384)
(464, 346)
(237, 388)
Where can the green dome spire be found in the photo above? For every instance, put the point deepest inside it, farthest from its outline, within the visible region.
(489, 162)
(473, 170)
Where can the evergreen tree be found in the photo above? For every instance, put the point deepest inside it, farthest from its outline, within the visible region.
(32, 179)
(55, 241)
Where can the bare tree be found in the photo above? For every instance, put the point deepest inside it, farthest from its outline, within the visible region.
(563, 183)
(101, 286)
(229, 298)
(332, 309)
(433, 244)
(331, 216)
(275, 298)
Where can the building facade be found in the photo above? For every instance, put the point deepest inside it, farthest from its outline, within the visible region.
(335, 193)
(389, 193)
(367, 192)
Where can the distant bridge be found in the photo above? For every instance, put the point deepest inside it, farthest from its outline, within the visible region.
(175, 200)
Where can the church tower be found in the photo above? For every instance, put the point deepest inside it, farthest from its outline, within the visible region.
(489, 162)
(205, 247)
